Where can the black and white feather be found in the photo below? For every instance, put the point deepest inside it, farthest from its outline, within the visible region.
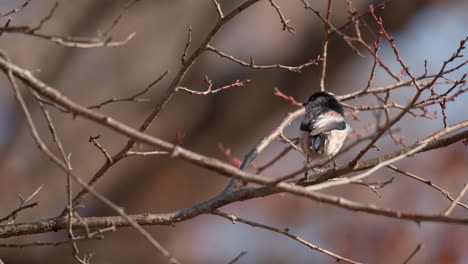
(323, 129)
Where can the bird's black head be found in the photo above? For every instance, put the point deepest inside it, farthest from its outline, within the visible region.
(323, 102)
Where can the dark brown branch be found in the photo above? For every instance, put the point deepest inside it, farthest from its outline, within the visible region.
(234, 260)
(210, 91)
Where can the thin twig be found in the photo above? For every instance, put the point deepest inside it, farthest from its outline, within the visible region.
(146, 153)
(42, 147)
(241, 254)
(67, 41)
(418, 247)
(454, 203)
(16, 9)
(94, 235)
(119, 17)
(361, 176)
(133, 98)
(46, 18)
(218, 9)
(287, 140)
(284, 21)
(166, 97)
(285, 232)
(329, 29)
(275, 159)
(445, 193)
(93, 139)
(66, 160)
(187, 44)
(11, 216)
(435, 142)
(252, 65)
(326, 37)
(210, 91)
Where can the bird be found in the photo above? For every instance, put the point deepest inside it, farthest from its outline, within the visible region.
(323, 129)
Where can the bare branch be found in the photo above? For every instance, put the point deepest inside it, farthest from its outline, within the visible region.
(42, 147)
(418, 247)
(252, 65)
(210, 91)
(166, 97)
(218, 9)
(237, 257)
(283, 232)
(361, 176)
(119, 17)
(16, 9)
(74, 42)
(46, 18)
(11, 217)
(291, 99)
(444, 192)
(133, 98)
(187, 44)
(225, 169)
(103, 150)
(455, 202)
(284, 21)
(94, 235)
(330, 28)
(370, 135)
(146, 153)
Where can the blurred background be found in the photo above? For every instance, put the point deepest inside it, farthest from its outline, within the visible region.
(237, 118)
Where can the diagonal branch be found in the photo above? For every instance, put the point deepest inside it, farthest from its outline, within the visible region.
(43, 148)
(455, 202)
(428, 182)
(188, 62)
(285, 232)
(284, 21)
(16, 9)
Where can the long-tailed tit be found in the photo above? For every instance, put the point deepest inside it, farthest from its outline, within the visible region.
(323, 129)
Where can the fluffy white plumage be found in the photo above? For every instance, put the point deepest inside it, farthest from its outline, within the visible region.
(323, 129)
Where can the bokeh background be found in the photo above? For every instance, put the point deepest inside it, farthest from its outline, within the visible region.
(424, 30)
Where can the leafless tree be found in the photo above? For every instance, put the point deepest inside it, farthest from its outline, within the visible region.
(109, 129)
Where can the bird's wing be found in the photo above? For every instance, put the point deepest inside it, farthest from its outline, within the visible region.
(318, 143)
(326, 123)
